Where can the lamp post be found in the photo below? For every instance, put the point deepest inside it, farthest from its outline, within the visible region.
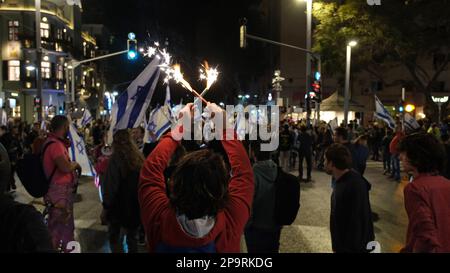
(308, 56)
(439, 101)
(38, 59)
(347, 80)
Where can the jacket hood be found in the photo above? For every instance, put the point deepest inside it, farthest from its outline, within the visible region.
(266, 170)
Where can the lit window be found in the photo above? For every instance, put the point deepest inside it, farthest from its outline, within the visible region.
(59, 34)
(46, 70)
(84, 48)
(13, 70)
(58, 47)
(45, 30)
(13, 30)
(60, 72)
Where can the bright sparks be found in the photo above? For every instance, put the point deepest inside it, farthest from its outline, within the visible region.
(209, 75)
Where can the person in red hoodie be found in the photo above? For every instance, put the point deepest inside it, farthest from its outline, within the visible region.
(205, 207)
(427, 197)
(393, 149)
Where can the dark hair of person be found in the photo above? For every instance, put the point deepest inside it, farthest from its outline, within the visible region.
(58, 122)
(424, 152)
(125, 149)
(340, 156)
(342, 132)
(303, 129)
(199, 184)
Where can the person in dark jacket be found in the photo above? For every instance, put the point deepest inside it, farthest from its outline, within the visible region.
(351, 222)
(361, 154)
(305, 152)
(262, 234)
(120, 197)
(22, 227)
(11, 141)
(446, 141)
(386, 153)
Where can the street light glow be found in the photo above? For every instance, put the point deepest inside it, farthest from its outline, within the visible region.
(352, 43)
(30, 67)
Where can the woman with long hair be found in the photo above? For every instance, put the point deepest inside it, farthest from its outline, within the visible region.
(120, 201)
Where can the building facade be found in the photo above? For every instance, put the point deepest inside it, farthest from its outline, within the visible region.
(62, 42)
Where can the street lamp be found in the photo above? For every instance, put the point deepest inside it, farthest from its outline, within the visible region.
(439, 101)
(30, 67)
(347, 79)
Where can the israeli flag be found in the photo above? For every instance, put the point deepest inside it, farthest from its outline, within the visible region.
(129, 109)
(3, 117)
(85, 119)
(78, 153)
(383, 114)
(160, 120)
(411, 123)
(333, 124)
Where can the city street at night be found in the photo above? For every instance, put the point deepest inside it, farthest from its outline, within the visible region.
(273, 134)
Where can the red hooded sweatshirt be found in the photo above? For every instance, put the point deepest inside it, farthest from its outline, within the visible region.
(159, 217)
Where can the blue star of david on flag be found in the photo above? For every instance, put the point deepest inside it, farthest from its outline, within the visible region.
(80, 147)
(140, 89)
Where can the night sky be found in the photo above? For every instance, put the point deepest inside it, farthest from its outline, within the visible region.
(196, 30)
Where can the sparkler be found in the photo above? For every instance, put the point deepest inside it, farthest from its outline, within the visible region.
(174, 72)
(208, 74)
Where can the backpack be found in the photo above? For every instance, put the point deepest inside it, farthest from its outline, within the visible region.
(287, 198)
(30, 171)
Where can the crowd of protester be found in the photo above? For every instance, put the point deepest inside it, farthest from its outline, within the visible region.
(185, 196)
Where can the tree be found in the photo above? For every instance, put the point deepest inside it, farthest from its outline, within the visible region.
(396, 33)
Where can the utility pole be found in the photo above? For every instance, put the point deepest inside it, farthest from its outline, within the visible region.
(308, 59)
(38, 60)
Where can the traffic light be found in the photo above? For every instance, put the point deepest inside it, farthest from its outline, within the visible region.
(132, 47)
(37, 102)
(401, 107)
(316, 87)
(243, 36)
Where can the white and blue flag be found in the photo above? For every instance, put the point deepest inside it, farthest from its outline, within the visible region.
(3, 117)
(411, 123)
(129, 109)
(383, 114)
(78, 152)
(85, 119)
(160, 120)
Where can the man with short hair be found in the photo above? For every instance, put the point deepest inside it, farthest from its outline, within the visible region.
(351, 222)
(427, 196)
(62, 174)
